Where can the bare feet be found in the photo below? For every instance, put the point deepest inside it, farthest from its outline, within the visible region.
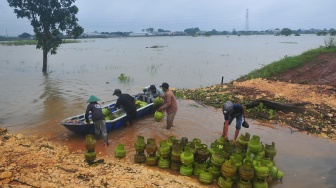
(128, 124)
(106, 143)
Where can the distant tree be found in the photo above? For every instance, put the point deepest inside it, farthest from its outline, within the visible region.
(162, 30)
(299, 31)
(321, 33)
(214, 32)
(192, 31)
(150, 30)
(49, 19)
(25, 36)
(286, 32)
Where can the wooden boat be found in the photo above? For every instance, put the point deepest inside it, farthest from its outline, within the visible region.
(77, 124)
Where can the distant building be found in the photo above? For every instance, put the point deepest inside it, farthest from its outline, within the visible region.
(140, 34)
(94, 35)
(165, 33)
(276, 31)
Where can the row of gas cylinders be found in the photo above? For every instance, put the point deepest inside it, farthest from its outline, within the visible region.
(91, 155)
(247, 163)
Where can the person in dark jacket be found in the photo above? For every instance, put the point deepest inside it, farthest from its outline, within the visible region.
(97, 117)
(128, 103)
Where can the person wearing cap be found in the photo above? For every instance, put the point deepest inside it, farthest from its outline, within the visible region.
(97, 117)
(232, 111)
(128, 103)
(170, 104)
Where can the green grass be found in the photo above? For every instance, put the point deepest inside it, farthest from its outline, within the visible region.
(287, 63)
(32, 42)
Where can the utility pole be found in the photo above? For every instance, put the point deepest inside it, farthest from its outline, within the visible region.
(247, 23)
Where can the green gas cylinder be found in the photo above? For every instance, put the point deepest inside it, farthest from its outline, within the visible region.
(270, 150)
(228, 168)
(244, 183)
(120, 151)
(246, 171)
(206, 177)
(225, 182)
(151, 146)
(243, 140)
(186, 170)
(198, 167)
(202, 153)
(152, 160)
(90, 142)
(140, 144)
(261, 171)
(260, 183)
(254, 144)
(218, 158)
(186, 157)
(163, 163)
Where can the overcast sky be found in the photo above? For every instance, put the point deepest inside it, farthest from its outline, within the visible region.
(177, 15)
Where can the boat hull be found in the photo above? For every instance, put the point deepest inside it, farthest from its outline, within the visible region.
(78, 125)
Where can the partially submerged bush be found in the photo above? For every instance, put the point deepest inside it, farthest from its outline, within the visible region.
(329, 42)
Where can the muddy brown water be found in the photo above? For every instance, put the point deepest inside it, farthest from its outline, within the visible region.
(306, 160)
(33, 103)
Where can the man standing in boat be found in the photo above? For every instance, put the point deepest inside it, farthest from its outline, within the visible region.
(170, 105)
(128, 103)
(97, 117)
(153, 91)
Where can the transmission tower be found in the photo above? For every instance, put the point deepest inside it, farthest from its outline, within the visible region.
(247, 23)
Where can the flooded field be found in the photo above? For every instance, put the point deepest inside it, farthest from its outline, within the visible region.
(34, 103)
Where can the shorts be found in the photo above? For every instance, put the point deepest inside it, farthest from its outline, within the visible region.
(239, 121)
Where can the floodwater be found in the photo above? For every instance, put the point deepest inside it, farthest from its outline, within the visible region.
(33, 103)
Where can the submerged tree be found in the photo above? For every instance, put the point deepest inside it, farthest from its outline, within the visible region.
(286, 31)
(49, 18)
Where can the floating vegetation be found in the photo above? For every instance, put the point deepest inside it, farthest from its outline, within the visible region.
(124, 79)
(32, 42)
(19, 43)
(71, 41)
(89, 41)
(153, 67)
(156, 46)
(289, 42)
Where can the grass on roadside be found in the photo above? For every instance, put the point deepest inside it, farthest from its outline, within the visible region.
(287, 63)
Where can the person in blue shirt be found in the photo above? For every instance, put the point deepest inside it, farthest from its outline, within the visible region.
(232, 111)
(152, 92)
